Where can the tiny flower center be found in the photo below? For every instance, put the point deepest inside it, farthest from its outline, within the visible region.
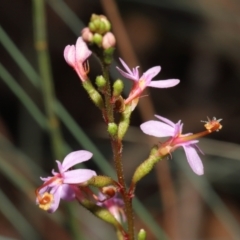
(45, 201)
(213, 125)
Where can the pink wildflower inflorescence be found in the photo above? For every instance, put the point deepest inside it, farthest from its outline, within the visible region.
(115, 206)
(64, 184)
(140, 83)
(166, 128)
(76, 56)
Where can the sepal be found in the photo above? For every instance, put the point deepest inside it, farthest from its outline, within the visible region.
(117, 88)
(112, 129)
(101, 213)
(100, 181)
(124, 122)
(93, 94)
(144, 168)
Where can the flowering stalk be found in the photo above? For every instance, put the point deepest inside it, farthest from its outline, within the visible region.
(165, 128)
(102, 43)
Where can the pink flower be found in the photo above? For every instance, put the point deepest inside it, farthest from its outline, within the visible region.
(115, 206)
(166, 128)
(76, 55)
(64, 184)
(140, 83)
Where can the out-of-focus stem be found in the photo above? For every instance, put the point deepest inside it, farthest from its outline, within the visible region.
(40, 40)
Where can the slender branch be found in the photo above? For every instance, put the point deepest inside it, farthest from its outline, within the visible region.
(117, 154)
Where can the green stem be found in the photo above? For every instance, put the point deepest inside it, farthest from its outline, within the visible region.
(40, 40)
(117, 154)
(107, 95)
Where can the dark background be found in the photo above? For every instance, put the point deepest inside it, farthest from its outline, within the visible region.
(195, 41)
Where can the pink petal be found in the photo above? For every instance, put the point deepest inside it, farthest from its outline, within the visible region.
(194, 160)
(150, 74)
(69, 55)
(165, 120)
(164, 83)
(125, 66)
(133, 75)
(82, 51)
(60, 168)
(78, 176)
(56, 198)
(67, 192)
(74, 158)
(157, 129)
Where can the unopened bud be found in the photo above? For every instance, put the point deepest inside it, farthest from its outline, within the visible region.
(144, 168)
(112, 129)
(87, 35)
(118, 88)
(97, 39)
(100, 181)
(101, 81)
(92, 27)
(124, 122)
(109, 40)
(93, 94)
(142, 235)
(99, 24)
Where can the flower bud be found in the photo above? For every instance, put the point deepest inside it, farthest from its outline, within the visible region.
(101, 81)
(100, 181)
(99, 24)
(97, 39)
(92, 27)
(142, 234)
(118, 88)
(87, 35)
(100, 212)
(124, 122)
(112, 129)
(144, 168)
(109, 40)
(93, 94)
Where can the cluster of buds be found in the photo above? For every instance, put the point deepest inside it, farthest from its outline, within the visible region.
(98, 32)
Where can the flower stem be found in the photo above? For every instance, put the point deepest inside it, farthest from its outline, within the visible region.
(117, 150)
(117, 155)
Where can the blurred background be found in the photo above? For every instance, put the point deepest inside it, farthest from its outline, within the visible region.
(196, 41)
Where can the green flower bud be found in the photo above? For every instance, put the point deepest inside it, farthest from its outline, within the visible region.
(124, 122)
(97, 39)
(107, 26)
(118, 88)
(142, 234)
(101, 81)
(101, 27)
(100, 212)
(100, 181)
(144, 168)
(112, 129)
(93, 94)
(93, 17)
(97, 24)
(92, 27)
